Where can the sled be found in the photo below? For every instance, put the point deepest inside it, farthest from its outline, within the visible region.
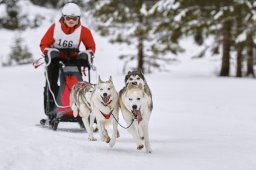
(69, 76)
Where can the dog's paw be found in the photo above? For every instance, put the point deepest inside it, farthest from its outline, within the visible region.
(140, 147)
(92, 139)
(107, 139)
(95, 130)
(111, 143)
(149, 151)
(118, 134)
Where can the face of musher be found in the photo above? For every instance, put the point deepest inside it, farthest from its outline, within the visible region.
(71, 21)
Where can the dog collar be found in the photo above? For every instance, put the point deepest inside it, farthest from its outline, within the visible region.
(106, 116)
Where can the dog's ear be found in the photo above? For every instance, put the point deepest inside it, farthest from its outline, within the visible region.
(93, 87)
(99, 79)
(126, 78)
(110, 78)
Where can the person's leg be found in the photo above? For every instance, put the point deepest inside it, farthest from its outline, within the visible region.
(53, 75)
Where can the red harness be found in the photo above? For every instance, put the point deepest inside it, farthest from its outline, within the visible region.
(83, 84)
(107, 116)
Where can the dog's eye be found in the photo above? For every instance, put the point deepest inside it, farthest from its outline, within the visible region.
(130, 79)
(130, 99)
(138, 98)
(101, 89)
(138, 78)
(109, 88)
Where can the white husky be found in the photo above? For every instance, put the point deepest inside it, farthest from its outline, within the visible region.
(136, 77)
(136, 105)
(80, 103)
(105, 106)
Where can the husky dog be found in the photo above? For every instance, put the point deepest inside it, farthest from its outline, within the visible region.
(136, 77)
(105, 107)
(80, 103)
(135, 101)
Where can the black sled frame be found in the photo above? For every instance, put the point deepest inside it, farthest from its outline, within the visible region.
(50, 108)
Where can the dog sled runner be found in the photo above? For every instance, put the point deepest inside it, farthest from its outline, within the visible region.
(58, 110)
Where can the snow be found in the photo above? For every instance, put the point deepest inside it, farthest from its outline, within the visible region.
(241, 37)
(199, 121)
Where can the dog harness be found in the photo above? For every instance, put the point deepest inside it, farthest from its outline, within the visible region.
(106, 116)
(78, 88)
(83, 84)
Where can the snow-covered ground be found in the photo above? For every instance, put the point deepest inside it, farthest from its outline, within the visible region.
(199, 121)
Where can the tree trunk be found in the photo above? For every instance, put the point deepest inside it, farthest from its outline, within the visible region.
(239, 45)
(140, 44)
(226, 48)
(250, 70)
(140, 55)
(239, 60)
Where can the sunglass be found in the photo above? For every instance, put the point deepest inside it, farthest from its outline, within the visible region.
(69, 18)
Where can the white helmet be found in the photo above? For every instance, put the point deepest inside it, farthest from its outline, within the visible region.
(71, 9)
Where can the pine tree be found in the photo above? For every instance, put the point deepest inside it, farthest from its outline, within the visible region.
(20, 53)
(210, 18)
(55, 3)
(167, 31)
(244, 31)
(218, 19)
(46, 3)
(129, 22)
(12, 20)
(239, 45)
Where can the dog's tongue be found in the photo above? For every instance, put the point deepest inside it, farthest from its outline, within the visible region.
(137, 115)
(106, 99)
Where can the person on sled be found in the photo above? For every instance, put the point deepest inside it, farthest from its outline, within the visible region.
(62, 36)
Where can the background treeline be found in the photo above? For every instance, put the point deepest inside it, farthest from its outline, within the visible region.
(155, 28)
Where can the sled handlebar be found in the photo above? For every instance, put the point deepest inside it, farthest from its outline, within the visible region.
(38, 62)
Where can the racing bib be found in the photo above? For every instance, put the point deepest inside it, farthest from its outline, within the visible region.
(63, 40)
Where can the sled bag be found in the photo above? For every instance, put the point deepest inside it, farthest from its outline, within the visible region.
(70, 75)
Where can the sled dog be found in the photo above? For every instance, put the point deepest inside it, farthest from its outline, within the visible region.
(105, 106)
(80, 103)
(136, 77)
(136, 105)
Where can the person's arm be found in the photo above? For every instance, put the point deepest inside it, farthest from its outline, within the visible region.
(47, 39)
(87, 40)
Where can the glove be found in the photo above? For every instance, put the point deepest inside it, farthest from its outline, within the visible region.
(46, 57)
(51, 54)
(90, 59)
(85, 58)
(90, 62)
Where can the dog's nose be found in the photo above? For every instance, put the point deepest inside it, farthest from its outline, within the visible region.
(134, 83)
(105, 94)
(134, 107)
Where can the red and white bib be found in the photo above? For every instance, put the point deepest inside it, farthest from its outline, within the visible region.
(63, 40)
